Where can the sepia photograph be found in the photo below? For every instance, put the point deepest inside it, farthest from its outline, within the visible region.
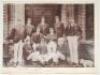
(48, 35)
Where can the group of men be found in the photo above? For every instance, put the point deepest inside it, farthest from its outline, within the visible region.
(40, 43)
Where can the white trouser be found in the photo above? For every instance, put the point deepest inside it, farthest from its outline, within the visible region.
(35, 45)
(73, 47)
(55, 56)
(61, 41)
(18, 53)
(60, 55)
(35, 56)
(52, 52)
(51, 47)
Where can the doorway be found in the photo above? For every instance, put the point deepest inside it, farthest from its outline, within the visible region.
(36, 11)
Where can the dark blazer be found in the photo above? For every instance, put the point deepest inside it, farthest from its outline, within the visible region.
(71, 31)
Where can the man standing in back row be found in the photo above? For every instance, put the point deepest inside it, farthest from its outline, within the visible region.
(43, 26)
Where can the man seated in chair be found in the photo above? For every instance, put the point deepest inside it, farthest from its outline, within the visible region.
(36, 45)
(53, 53)
(51, 46)
(36, 38)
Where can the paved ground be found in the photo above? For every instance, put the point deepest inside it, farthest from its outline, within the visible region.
(86, 51)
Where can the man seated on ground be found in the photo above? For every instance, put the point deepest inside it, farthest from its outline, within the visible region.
(27, 47)
(61, 46)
